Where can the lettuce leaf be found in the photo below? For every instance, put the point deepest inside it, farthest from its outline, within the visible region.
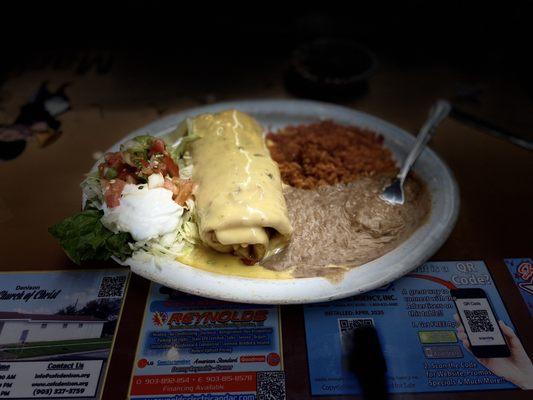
(178, 140)
(179, 149)
(83, 237)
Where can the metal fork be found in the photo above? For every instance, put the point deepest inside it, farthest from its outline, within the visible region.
(393, 194)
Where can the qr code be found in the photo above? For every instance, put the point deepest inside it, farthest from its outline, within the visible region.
(479, 321)
(271, 385)
(112, 286)
(346, 328)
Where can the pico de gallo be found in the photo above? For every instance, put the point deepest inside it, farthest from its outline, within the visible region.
(134, 163)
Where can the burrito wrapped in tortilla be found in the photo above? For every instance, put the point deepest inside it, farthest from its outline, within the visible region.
(239, 200)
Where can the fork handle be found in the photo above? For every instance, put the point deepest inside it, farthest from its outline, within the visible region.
(438, 112)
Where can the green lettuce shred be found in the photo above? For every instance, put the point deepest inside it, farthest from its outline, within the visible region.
(92, 191)
(179, 139)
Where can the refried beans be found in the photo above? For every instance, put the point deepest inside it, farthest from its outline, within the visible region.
(334, 175)
(344, 226)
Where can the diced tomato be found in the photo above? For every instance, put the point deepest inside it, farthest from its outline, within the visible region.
(139, 168)
(101, 170)
(185, 189)
(127, 173)
(114, 160)
(153, 167)
(131, 179)
(168, 184)
(182, 189)
(172, 168)
(157, 147)
(112, 191)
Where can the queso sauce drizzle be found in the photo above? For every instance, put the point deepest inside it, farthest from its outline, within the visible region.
(210, 260)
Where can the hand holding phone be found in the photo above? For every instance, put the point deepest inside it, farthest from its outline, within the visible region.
(478, 318)
(516, 368)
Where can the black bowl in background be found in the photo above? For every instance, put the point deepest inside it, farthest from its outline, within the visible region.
(330, 68)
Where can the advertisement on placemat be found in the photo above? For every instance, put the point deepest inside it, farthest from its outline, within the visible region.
(56, 331)
(522, 271)
(442, 328)
(196, 348)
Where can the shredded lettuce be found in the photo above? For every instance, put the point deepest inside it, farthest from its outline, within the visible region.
(178, 150)
(92, 191)
(179, 139)
(189, 228)
(185, 166)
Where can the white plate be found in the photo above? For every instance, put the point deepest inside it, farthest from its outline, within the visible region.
(274, 114)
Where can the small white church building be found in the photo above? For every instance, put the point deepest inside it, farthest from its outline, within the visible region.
(23, 328)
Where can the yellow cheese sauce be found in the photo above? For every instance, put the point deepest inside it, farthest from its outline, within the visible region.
(239, 194)
(210, 260)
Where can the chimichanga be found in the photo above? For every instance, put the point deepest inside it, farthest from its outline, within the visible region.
(239, 200)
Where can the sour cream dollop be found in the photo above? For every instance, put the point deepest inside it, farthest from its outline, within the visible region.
(144, 212)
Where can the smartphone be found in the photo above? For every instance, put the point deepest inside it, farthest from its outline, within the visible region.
(480, 323)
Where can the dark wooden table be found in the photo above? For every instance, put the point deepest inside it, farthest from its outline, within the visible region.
(42, 185)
